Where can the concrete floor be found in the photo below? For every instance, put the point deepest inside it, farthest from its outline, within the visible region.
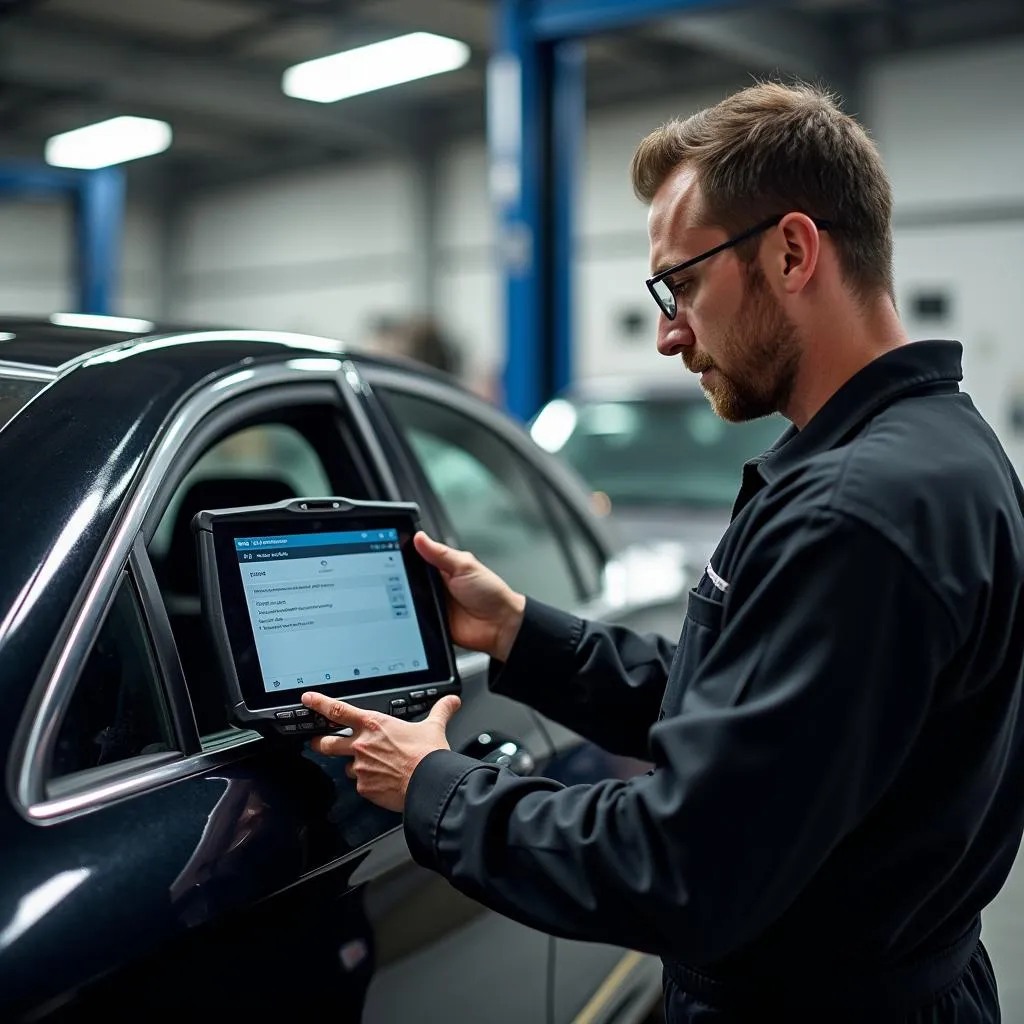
(1002, 931)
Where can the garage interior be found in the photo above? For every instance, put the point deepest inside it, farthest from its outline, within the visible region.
(495, 206)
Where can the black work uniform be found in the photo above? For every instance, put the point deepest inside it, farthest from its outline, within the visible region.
(837, 738)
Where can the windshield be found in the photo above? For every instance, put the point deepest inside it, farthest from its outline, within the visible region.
(655, 451)
(15, 393)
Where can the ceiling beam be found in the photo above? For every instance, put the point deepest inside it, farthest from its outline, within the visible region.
(243, 98)
(764, 42)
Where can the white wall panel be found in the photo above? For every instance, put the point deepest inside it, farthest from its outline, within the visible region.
(950, 124)
(37, 259)
(325, 252)
(986, 310)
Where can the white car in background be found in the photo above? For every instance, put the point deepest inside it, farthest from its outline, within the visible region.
(659, 462)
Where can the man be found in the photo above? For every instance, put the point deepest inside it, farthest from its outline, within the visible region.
(838, 737)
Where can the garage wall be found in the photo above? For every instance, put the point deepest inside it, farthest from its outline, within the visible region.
(951, 128)
(36, 258)
(320, 252)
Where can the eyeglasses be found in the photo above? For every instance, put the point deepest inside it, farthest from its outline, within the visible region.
(662, 291)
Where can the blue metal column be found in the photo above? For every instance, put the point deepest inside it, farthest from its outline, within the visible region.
(99, 218)
(98, 199)
(514, 123)
(536, 113)
(536, 106)
(568, 142)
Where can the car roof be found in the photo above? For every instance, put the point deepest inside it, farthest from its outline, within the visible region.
(50, 343)
(63, 341)
(51, 346)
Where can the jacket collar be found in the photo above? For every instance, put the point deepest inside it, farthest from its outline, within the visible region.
(911, 367)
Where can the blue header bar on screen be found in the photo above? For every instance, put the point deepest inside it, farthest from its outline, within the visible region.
(308, 540)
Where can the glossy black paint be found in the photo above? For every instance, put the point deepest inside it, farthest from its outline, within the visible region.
(259, 864)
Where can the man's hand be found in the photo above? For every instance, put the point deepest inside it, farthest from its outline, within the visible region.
(384, 750)
(484, 612)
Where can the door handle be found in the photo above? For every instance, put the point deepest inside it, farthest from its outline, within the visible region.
(497, 748)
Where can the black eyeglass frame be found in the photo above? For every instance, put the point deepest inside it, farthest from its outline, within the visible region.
(821, 225)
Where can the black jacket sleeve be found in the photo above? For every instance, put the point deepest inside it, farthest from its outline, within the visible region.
(791, 729)
(604, 682)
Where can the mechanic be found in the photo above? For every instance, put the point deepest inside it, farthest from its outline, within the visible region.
(837, 739)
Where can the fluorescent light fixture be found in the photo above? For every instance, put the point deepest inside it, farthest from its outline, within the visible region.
(377, 66)
(108, 142)
(102, 323)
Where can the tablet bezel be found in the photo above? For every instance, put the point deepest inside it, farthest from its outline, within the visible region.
(304, 517)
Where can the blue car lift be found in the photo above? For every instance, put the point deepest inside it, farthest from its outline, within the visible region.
(536, 116)
(98, 201)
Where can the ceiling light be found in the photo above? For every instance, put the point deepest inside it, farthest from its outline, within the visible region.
(108, 142)
(377, 66)
(96, 322)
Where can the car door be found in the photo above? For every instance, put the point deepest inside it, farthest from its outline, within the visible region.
(187, 852)
(206, 869)
(498, 499)
(403, 939)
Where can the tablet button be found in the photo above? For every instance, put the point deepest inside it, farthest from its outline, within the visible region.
(432, 692)
(289, 728)
(285, 714)
(303, 713)
(307, 726)
(418, 694)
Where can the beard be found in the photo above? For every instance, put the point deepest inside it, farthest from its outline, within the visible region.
(762, 352)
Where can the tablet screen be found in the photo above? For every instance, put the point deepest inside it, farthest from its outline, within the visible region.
(336, 600)
(329, 607)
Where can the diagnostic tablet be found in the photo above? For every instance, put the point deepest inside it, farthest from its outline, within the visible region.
(323, 594)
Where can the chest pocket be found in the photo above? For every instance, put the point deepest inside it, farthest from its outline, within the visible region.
(700, 632)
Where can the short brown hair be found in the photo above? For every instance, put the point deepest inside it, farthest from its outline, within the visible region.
(772, 148)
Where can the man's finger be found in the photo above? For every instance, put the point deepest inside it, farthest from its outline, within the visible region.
(332, 746)
(443, 710)
(441, 556)
(336, 710)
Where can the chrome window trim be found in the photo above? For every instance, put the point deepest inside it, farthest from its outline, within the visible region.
(26, 371)
(30, 782)
(354, 397)
(53, 810)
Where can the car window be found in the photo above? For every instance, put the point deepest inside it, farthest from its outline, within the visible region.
(488, 493)
(117, 710)
(272, 451)
(587, 555)
(254, 466)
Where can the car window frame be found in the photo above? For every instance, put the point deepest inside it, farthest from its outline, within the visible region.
(219, 403)
(555, 482)
(272, 405)
(61, 787)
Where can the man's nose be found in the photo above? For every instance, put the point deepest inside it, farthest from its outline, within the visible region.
(674, 335)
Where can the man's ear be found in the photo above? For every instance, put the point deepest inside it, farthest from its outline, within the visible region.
(792, 253)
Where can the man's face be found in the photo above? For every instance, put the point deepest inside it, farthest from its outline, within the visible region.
(729, 326)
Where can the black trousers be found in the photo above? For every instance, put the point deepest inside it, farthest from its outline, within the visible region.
(972, 999)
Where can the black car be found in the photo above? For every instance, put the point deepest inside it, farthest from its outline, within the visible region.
(160, 862)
